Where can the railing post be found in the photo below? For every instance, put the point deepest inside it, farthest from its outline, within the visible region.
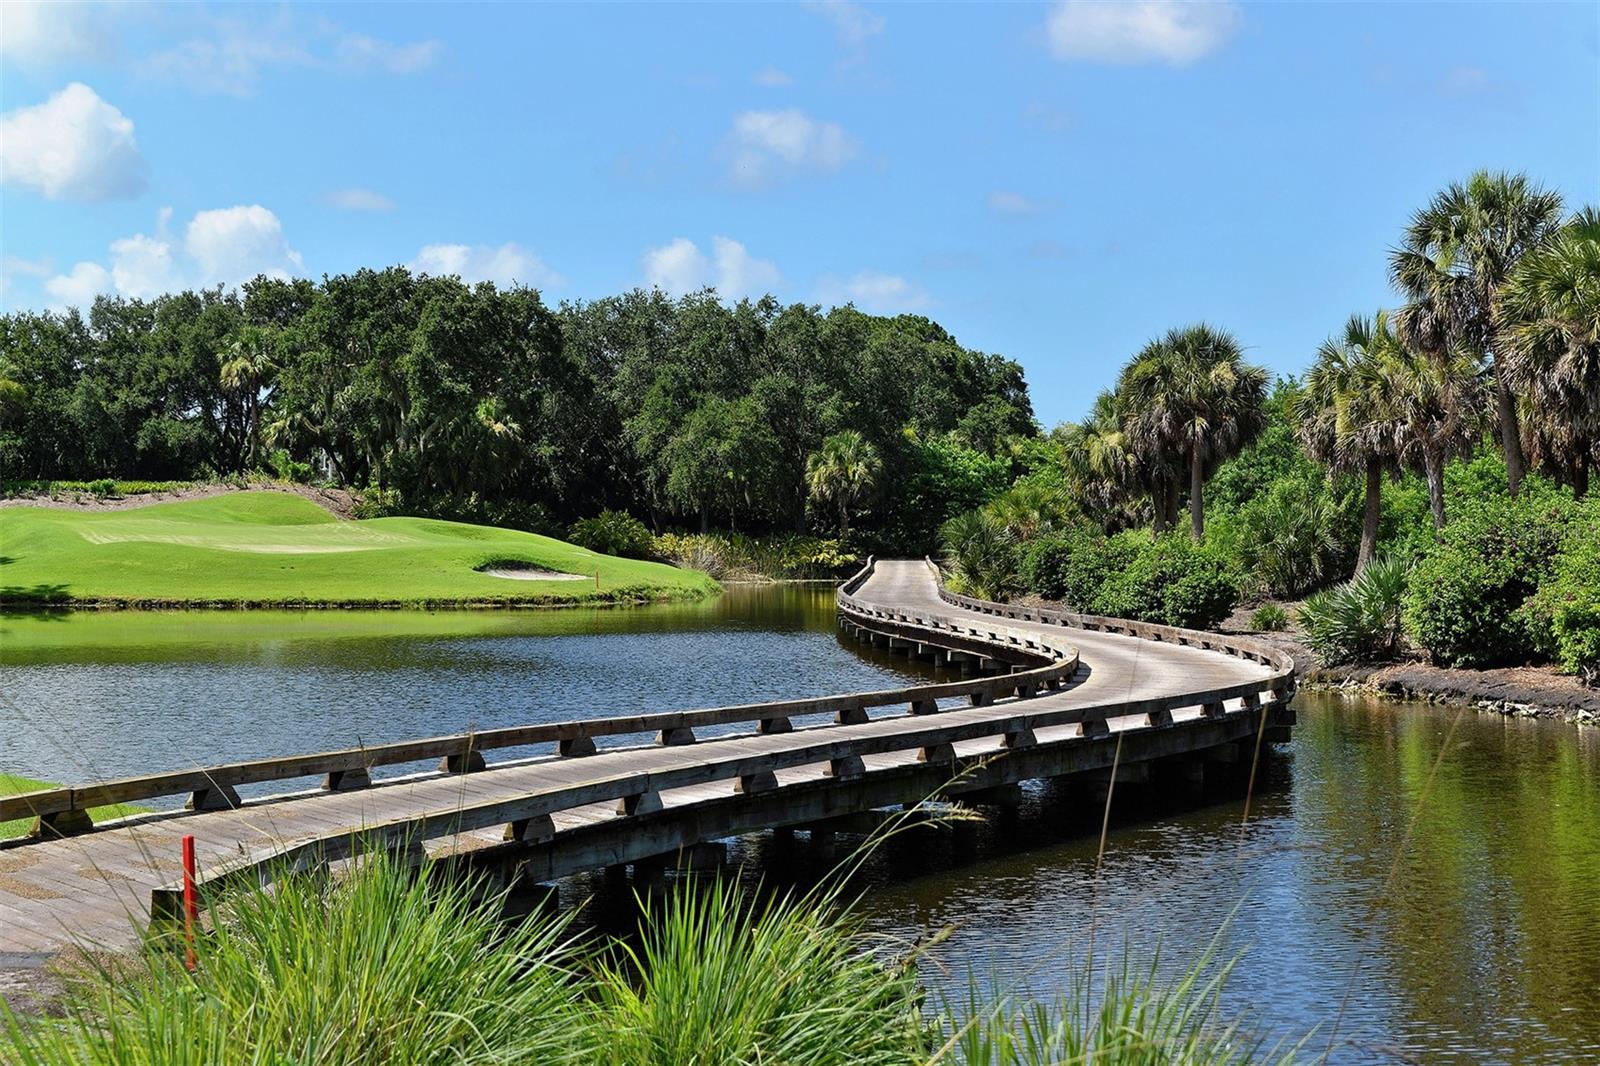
(674, 736)
(213, 798)
(575, 747)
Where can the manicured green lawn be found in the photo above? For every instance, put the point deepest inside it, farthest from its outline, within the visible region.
(276, 548)
(11, 785)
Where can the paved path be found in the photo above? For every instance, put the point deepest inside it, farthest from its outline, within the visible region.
(95, 889)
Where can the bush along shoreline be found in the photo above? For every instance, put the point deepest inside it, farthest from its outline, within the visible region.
(391, 965)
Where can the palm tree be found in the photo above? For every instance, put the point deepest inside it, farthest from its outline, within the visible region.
(1435, 410)
(1549, 319)
(1190, 401)
(1102, 471)
(248, 371)
(842, 472)
(1455, 256)
(1345, 414)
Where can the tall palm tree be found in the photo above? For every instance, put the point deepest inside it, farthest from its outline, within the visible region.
(248, 371)
(1455, 256)
(1189, 402)
(1435, 406)
(1345, 415)
(842, 472)
(1549, 317)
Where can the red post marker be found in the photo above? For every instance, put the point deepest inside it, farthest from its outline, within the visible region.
(191, 902)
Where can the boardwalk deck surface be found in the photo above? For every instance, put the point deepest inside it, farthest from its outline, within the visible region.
(94, 890)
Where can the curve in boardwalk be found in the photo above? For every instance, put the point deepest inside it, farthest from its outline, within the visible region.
(1058, 690)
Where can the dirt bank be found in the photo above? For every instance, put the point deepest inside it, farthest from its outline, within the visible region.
(1518, 691)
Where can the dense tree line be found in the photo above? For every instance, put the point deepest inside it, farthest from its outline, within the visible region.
(1451, 439)
(473, 400)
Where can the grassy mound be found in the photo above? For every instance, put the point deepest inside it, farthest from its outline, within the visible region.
(264, 548)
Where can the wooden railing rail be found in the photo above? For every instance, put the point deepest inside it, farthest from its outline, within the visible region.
(62, 810)
(1281, 662)
(639, 793)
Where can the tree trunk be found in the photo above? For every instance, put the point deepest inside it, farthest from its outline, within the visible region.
(1172, 503)
(1580, 478)
(1197, 503)
(1369, 515)
(1158, 506)
(844, 521)
(1510, 430)
(705, 518)
(1434, 465)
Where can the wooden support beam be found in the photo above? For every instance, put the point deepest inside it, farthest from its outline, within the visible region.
(924, 706)
(643, 803)
(213, 798)
(748, 785)
(61, 824)
(1018, 739)
(1160, 718)
(937, 753)
(673, 737)
(847, 768)
(1094, 727)
(575, 747)
(468, 763)
(981, 699)
(851, 716)
(346, 780)
(774, 725)
(534, 830)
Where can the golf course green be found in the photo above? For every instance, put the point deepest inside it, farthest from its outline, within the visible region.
(278, 549)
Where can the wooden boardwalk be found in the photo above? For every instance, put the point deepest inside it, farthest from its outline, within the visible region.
(1065, 693)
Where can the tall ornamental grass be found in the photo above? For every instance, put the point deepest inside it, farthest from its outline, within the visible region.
(389, 967)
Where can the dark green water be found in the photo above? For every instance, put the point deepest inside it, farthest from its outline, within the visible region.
(1475, 940)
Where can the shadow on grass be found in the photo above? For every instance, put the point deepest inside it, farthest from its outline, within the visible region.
(34, 595)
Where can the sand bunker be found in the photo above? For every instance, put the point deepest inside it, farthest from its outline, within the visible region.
(528, 573)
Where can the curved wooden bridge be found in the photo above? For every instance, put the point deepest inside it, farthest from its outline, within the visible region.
(1051, 694)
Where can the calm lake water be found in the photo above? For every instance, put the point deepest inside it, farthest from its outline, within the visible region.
(1476, 940)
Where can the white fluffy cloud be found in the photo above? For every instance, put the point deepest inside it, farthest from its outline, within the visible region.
(39, 33)
(875, 292)
(680, 267)
(772, 78)
(143, 267)
(227, 246)
(79, 286)
(1175, 32)
(74, 146)
(768, 144)
(234, 244)
(854, 24)
(359, 200)
(506, 265)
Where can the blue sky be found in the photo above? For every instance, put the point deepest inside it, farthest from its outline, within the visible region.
(1053, 182)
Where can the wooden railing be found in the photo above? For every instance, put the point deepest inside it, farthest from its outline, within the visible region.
(65, 810)
(1281, 662)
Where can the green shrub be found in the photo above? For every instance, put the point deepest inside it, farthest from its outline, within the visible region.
(1358, 621)
(736, 556)
(980, 555)
(377, 503)
(286, 468)
(612, 533)
(1170, 581)
(1269, 618)
(1566, 609)
(1073, 565)
(103, 488)
(1294, 539)
(1465, 602)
